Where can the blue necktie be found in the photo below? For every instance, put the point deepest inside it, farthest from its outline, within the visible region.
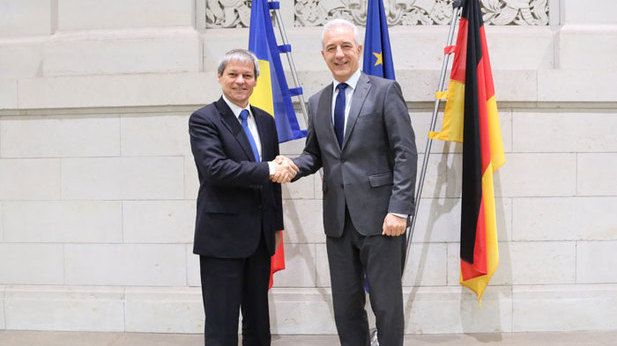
(245, 126)
(339, 113)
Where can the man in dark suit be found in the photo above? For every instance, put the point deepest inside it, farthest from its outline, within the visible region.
(238, 206)
(361, 134)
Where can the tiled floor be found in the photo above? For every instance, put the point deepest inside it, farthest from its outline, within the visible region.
(30, 338)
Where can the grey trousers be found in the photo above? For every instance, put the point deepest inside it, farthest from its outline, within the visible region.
(381, 258)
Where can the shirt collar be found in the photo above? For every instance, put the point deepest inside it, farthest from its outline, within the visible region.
(234, 108)
(351, 82)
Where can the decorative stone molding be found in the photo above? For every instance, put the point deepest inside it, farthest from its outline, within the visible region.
(516, 12)
(228, 13)
(421, 12)
(236, 13)
(399, 12)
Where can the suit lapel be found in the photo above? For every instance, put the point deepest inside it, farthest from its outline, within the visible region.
(233, 125)
(324, 113)
(357, 100)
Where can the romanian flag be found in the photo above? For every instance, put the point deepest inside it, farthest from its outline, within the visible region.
(471, 117)
(377, 59)
(272, 93)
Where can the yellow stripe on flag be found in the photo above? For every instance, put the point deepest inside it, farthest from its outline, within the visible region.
(453, 119)
(441, 95)
(478, 284)
(498, 157)
(262, 94)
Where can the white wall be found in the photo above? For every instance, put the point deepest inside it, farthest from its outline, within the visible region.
(97, 183)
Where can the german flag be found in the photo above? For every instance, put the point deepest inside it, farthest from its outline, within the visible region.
(471, 117)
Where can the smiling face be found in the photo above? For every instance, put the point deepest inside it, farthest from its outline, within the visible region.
(238, 81)
(341, 52)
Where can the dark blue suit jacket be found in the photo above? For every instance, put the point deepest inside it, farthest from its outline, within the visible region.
(237, 202)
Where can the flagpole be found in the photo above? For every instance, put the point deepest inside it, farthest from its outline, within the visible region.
(457, 5)
(292, 67)
(290, 60)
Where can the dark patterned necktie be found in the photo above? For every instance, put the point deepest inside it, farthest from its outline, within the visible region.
(339, 113)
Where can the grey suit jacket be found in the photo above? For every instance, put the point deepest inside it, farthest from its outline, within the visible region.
(375, 170)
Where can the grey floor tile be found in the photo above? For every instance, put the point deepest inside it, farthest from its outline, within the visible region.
(38, 338)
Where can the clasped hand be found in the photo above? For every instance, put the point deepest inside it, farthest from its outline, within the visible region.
(286, 170)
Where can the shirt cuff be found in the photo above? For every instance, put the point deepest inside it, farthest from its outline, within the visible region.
(402, 216)
(271, 167)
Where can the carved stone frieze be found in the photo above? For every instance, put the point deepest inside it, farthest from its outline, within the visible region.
(515, 12)
(420, 12)
(228, 13)
(398, 12)
(236, 13)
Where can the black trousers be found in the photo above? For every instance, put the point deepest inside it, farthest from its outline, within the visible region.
(230, 285)
(381, 258)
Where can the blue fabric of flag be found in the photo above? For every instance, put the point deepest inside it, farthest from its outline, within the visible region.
(262, 42)
(377, 52)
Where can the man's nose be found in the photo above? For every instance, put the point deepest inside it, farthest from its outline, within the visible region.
(239, 79)
(339, 52)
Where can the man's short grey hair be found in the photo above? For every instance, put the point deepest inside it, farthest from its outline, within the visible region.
(339, 22)
(242, 56)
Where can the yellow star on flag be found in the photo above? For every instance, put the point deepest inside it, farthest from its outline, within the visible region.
(379, 58)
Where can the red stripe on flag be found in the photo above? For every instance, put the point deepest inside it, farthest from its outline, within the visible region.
(277, 261)
(486, 67)
(449, 49)
(485, 145)
(460, 58)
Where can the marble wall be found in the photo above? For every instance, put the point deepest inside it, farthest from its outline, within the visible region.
(97, 182)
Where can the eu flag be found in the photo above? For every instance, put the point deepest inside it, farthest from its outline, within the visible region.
(272, 93)
(377, 51)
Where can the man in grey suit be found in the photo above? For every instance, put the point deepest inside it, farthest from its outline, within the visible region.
(361, 134)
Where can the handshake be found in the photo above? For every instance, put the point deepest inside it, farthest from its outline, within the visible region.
(285, 170)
